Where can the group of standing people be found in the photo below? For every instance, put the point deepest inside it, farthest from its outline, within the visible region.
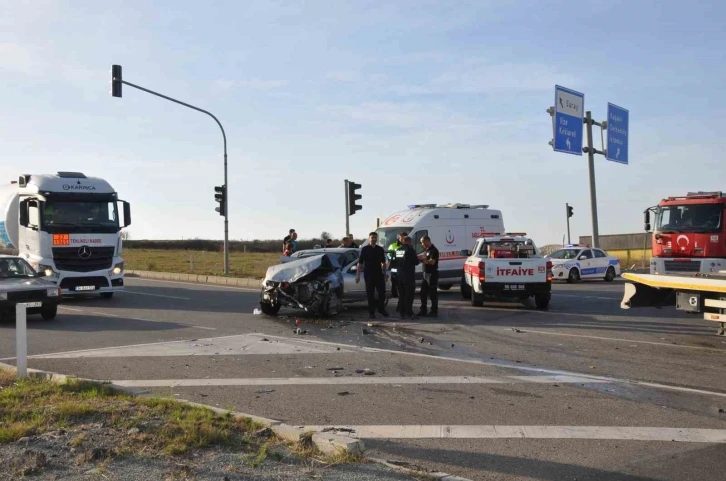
(290, 245)
(402, 260)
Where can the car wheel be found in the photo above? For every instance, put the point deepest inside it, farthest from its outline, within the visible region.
(445, 287)
(477, 300)
(48, 313)
(465, 288)
(610, 274)
(106, 295)
(270, 309)
(574, 276)
(542, 302)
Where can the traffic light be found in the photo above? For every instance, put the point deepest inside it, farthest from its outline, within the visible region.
(353, 207)
(569, 210)
(220, 195)
(116, 81)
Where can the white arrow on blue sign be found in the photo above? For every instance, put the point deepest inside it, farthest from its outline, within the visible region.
(569, 112)
(618, 124)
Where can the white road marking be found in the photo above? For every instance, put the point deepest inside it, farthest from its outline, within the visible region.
(349, 380)
(236, 345)
(155, 295)
(198, 284)
(683, 435)
(308, 344)
(105, 314)
(601, 338)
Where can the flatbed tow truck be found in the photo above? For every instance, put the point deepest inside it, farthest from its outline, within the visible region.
(692, 293)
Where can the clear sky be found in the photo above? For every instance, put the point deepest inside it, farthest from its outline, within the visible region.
(418, 101)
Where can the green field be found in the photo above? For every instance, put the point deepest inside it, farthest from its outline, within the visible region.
(199, 262)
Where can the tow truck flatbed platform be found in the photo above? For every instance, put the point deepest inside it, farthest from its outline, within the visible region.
(690, 293)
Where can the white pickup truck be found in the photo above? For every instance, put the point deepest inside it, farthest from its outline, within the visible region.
(506, 267)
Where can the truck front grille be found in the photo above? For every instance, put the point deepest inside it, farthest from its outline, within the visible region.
(83, 259)
(73, 282)
(678, 266)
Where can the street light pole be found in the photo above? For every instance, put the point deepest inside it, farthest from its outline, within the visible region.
(224, 138)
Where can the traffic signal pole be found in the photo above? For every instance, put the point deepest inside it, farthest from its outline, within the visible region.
(117, 80)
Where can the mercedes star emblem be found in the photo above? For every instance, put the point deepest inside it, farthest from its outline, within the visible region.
(84, 252)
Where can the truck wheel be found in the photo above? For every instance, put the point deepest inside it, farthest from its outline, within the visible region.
(270, 309)
(106, 295)
(542, 302)
(573, 277)
(610, 274)
(477, 300)
(465, 289)
(445, 287)
(48, 313)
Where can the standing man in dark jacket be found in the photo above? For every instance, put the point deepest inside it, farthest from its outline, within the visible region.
(406, 263)
(372, 261)
(430, 284)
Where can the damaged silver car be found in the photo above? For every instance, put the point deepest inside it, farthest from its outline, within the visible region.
(313, 284)
(315, 280)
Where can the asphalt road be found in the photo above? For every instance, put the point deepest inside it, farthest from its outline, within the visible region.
(584, 390)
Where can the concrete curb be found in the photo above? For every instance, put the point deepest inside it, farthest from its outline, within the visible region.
(198, 279)
(326, 443)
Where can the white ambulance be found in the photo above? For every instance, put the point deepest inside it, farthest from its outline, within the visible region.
(452, 229)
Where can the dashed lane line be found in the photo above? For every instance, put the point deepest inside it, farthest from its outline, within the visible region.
(348, 380)
(105, 314)
(126, 291)
(619, 433)
(615, 339)
(197, 284)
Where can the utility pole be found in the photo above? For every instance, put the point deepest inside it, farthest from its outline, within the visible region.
(591, 151)
(116, 91)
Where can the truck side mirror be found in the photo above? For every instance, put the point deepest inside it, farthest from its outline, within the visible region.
(23, 213)
(646, 220)
(127, 214)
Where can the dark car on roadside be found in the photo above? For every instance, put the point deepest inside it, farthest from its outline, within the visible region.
(21, 284)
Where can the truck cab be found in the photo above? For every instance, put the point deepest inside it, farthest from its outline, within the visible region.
(688, 234)
(69, 230)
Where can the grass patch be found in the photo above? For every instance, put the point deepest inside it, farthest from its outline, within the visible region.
(241, 264)
(123, 424)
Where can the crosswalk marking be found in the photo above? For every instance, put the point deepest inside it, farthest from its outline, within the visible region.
(362, 379)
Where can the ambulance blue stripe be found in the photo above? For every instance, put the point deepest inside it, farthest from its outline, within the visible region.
(4, 237)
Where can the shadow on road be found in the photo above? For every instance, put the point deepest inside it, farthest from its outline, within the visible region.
(487, 464)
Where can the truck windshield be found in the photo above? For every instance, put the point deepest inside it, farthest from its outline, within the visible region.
(82, 217)
(698, 218)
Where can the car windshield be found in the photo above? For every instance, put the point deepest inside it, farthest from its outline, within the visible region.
(564, 254)
(703, 218)
(15, 268)
(335, 257)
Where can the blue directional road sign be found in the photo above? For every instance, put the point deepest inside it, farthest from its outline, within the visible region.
(618, 123)
(569, 110)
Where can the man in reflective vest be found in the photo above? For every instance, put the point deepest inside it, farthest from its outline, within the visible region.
(393, 262)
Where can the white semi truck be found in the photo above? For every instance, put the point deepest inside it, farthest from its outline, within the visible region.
(67, 226)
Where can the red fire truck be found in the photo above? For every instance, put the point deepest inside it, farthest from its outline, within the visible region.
(689, 234)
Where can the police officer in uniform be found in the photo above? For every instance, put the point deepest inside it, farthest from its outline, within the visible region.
(393, 262)
(406, 264)
(372, 261)
(430, 284)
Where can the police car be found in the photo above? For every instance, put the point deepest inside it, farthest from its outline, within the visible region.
(574, 262)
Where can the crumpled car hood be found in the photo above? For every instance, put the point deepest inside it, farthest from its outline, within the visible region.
(294, 270)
